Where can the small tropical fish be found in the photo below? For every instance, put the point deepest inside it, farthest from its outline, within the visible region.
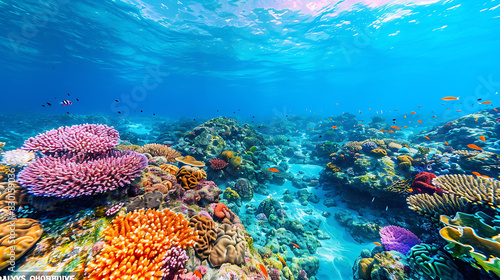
(295, 245)
(49, 104)
(273, 170)
(382, 130)
(395, 127)
(66, 102)
(410, 190)
(446, 143)
(459, 111)
(486, 102)
(482, 138)
(419, 121)
(263, 268)
(390, 131)
(407, 146)
(413, 112)
(197, 273)
(427, 137)
(475, 147)
(373, 199)
(282, 260)
(405, 116)
(419, 106)
(433, 116)
(341, 155)
(334, 127)
(495, 110)
(405, 126)
(448, 98)
(476, 119)
(377, 243)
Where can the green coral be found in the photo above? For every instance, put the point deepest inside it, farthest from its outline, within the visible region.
(434, 262)
(230, 194)
(474, 235)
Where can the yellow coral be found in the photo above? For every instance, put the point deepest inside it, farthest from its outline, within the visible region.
(235, 162)
(404, 162)
(333, 168)
(227, 155)
(172, 169)
(378, 152)
(137, 243)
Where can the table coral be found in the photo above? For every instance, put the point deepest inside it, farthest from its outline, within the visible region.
(87, 138)
(136, 245)
(72, 176)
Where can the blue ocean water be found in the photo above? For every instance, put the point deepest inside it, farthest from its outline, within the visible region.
(290, 73)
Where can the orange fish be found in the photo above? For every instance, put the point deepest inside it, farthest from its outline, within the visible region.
(395, 110)
(446, 143)
(476, 173)
(486, 102)
(282, 260)
(263, 268)
(407, 146)
(382, 130)
(413, 112)
(410, 190)
(472, 146)
(419, 106)
(419, 121)
(405, 126)
(390, 131)
(377, 243)
(395, 127)
(360, 125)
(273, 170)
(482, 138)
(405, 116)
(476, 119)
(495, 110)
(197, 273)
(334, 127)
(295, 245)
(433, 116)
(448, 98)
(427, 137)
(341, 154)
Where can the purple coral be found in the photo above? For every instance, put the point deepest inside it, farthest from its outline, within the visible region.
(398, 239)
(87, 138)
(114, 209)
(368, 146)
(174, 263)
(72, 176)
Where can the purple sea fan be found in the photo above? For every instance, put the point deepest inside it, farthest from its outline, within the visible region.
(72, 176)
(398, 239)
(173, 263)
(87, 138)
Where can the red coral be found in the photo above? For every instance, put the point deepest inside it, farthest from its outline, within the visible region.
(219, 210)
(217, 164)
(423, 184)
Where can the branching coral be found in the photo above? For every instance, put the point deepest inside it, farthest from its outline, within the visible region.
(136, 245)
(432, 206)
(71, 176)
(157, 150)
(189, 176)
(473, 189)
(87, 138)
(17, 157)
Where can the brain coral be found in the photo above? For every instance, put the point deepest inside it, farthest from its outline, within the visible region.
(17, 237)
(189, 176)
(206, 235)
(87, 138)
(137, 243)
(71, 176)
(434, 262)
(230, 246)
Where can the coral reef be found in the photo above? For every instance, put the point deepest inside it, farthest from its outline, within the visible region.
(156, 150)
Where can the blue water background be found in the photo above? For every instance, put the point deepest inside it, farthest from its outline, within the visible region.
(249, 58)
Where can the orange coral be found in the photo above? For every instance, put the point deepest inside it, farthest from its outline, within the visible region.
(137, 243)
(172, 169)
(189, 176)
